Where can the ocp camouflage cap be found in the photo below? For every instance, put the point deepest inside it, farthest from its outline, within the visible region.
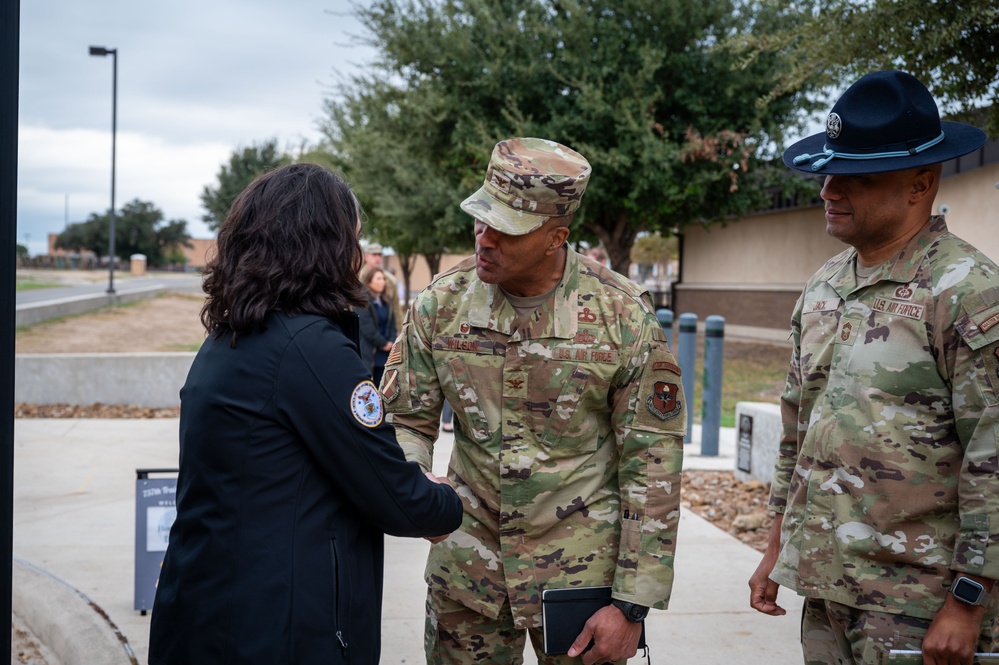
(527, 181)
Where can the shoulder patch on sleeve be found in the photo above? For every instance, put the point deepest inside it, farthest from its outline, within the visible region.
(366, 404)
(390, 385)
(664, 402)
(661, 403)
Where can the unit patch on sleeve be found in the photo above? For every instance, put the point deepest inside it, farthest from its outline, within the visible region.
(660, 405)
(664, 403)
(366, 404)
(390, 385)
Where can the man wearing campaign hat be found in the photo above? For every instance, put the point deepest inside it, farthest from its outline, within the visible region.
(568, 426)
(886, 486)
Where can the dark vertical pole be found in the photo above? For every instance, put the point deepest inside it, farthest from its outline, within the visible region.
(711, 395)
(114, 137)
(688, 359)
(10, 20)
(665, 317)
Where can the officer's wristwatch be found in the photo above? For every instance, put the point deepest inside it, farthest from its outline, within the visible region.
(969, 591)
(631, 611)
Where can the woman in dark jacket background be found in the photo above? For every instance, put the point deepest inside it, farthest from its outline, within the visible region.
(378, 325)
(289, 475)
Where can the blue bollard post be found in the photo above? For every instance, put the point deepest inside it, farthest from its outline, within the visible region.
(687, 358)
(714, 345)
(665, 317)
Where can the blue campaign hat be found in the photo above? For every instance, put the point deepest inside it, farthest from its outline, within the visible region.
(886, 121)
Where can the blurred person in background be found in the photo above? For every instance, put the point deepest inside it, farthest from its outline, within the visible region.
(374, 259)
(378, 324)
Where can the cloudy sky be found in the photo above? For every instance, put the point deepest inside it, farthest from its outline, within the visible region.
(196, 80)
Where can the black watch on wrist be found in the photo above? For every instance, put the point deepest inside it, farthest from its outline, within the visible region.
(969, 591)
(631, 611)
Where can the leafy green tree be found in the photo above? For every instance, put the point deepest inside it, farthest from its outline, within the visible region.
(654, 249)
(140, 228)
(244, 165)
(673, 130)
(407, 179)
(952, 46)
(22, 252)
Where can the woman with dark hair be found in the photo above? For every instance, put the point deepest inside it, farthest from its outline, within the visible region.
(377, 324)
(289, 475)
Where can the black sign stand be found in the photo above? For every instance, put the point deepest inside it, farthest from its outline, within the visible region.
(155, 510)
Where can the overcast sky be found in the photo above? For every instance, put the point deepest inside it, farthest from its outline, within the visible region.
(196, 80)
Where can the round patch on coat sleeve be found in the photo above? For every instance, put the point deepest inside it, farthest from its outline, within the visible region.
(366, 404)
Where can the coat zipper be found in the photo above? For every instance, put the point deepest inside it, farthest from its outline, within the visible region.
(336, 597)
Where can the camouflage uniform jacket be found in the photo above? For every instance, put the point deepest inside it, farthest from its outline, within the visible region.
(568, 437)
(887, 471)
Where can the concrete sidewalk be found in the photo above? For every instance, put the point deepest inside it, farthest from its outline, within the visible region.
(74, 522)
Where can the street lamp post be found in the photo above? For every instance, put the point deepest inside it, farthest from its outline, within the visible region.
(113, 52)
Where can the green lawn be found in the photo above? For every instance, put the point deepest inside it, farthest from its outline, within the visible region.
(30, 284)
(751, 372)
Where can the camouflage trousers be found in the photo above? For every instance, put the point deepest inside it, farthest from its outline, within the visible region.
(457, 635)
(832, 633)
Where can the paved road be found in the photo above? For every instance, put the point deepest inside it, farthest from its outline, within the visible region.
(123, 284)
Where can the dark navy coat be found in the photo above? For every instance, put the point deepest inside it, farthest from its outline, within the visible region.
(289, 477)
(372, 339)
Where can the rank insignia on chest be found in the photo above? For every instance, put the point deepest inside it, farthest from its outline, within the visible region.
(846, 331)
(515, 384)
(664, 403)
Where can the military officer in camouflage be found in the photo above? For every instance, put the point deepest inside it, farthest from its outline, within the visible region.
(886, 487)
(569, 421)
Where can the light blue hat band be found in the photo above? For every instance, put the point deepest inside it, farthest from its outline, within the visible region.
(828, 155)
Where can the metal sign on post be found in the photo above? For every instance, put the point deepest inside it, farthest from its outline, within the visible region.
(744, 455)
(155, 511)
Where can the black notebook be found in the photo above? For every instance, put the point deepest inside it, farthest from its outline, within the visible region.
(564, 612)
